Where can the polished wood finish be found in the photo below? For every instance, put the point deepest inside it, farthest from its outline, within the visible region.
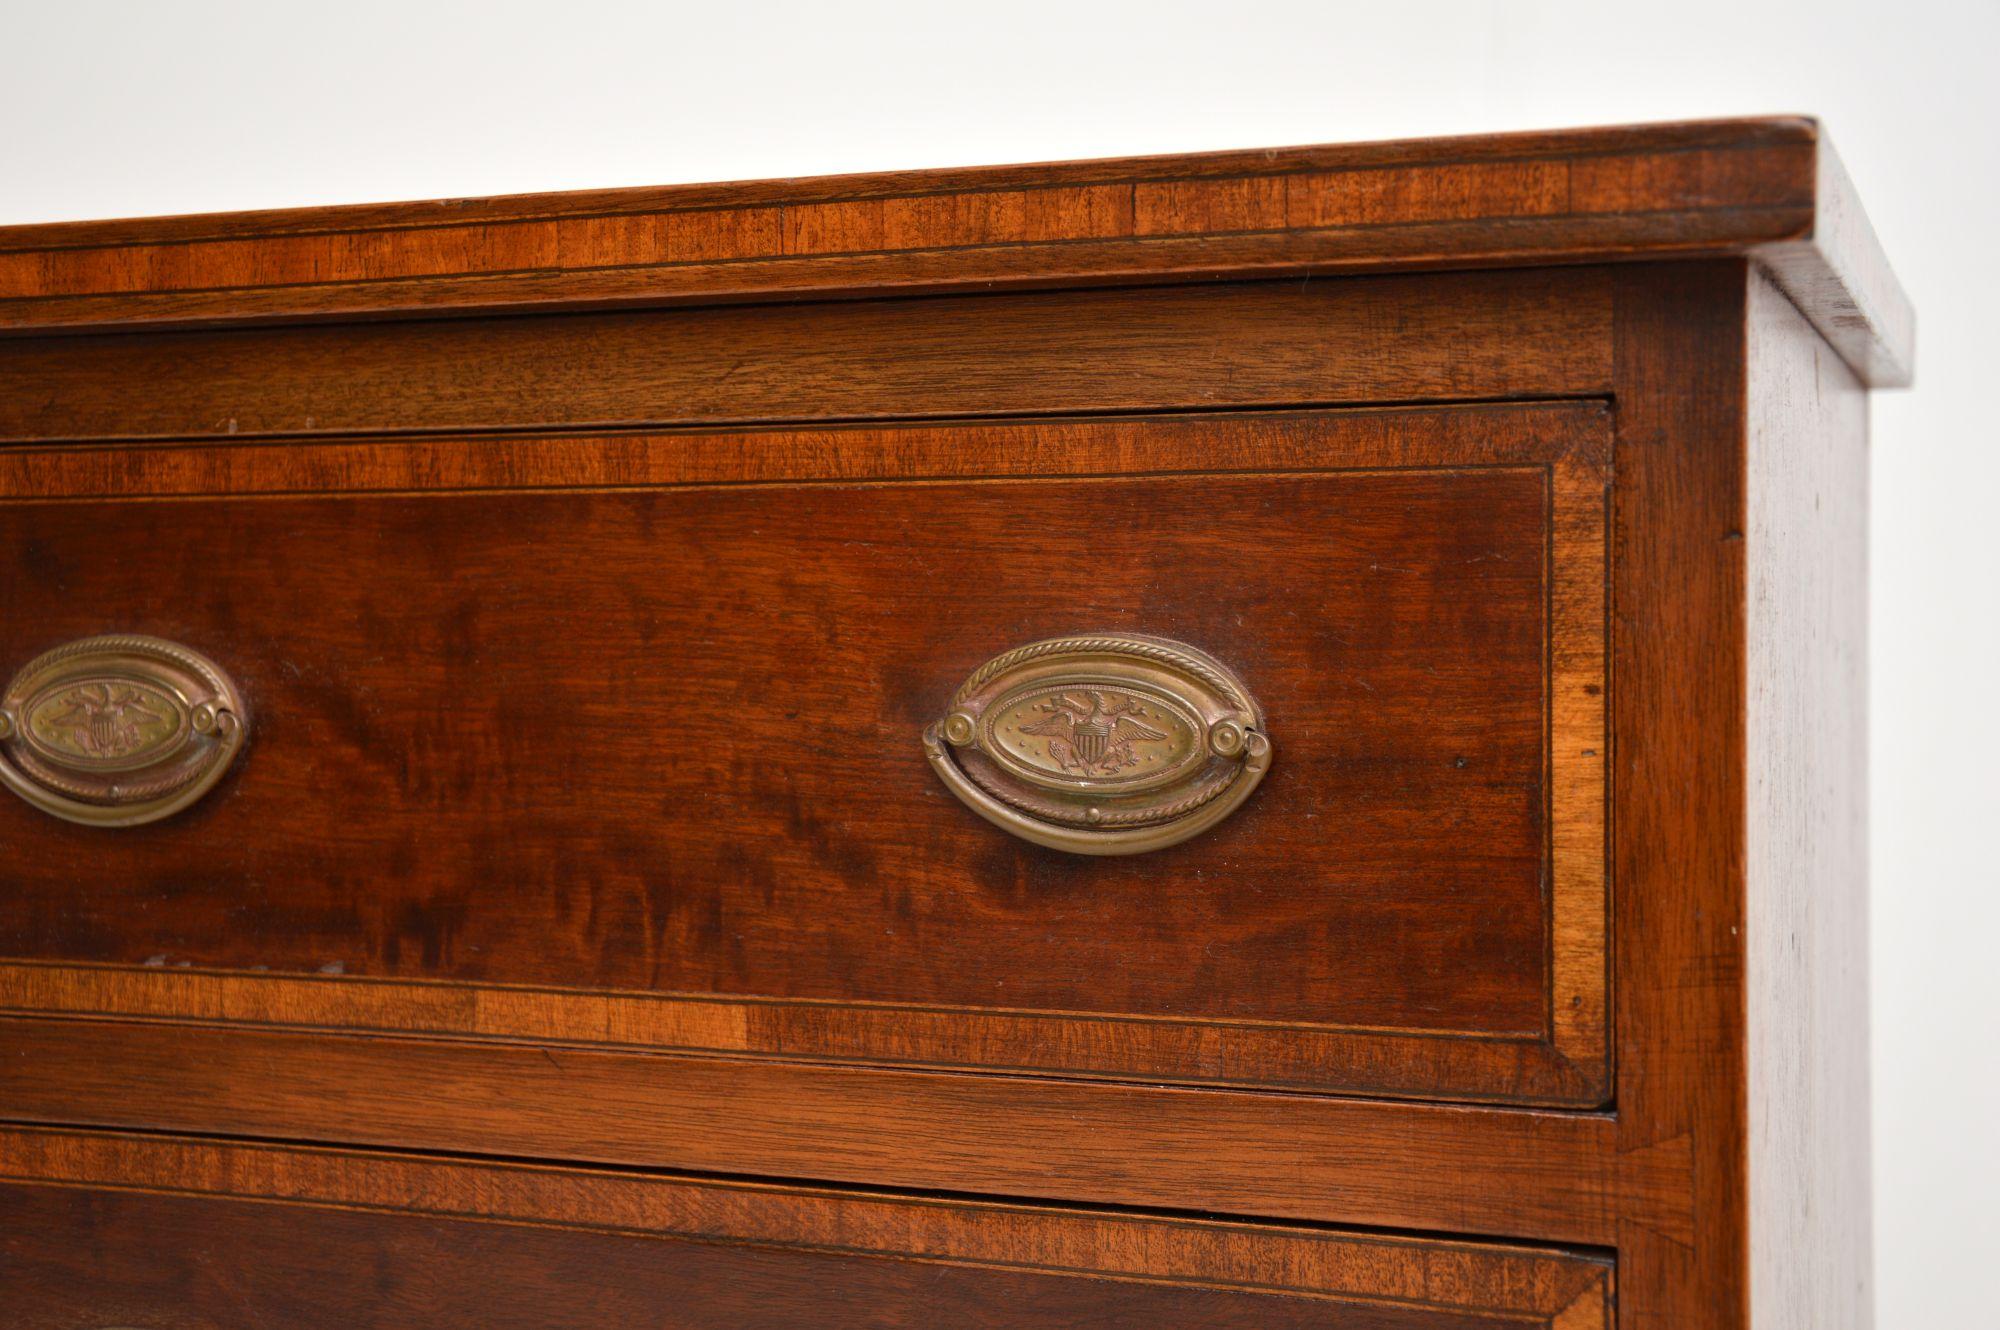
(1616, 1019)
(447, 1243)
(1262, 344)
(1678, 811)
(1506, 199)
(1532, 1175)
(619, 758)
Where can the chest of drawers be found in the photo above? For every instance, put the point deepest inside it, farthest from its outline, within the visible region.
(1261, 739)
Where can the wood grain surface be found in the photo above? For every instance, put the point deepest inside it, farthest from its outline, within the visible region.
(1563, 197)
(1527, 1175)
(1677, 835)
(590, 630)
(1256, 344)
(618, 740)
(165, 1232)
(1806, 910)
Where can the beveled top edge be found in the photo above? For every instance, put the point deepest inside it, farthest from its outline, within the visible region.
(1661, 137)
(1763, 187)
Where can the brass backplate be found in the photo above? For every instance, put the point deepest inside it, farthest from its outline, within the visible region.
(118, 731)
(1102, 744)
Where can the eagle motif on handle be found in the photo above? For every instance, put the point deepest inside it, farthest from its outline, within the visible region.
(1092, 732)
(106, 720)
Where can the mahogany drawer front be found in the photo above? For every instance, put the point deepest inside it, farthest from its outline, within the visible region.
(166, 1233)
(1411, 338)
(615, 740)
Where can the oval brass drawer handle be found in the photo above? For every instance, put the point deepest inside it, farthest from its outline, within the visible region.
(116, 731)
(1102, 744)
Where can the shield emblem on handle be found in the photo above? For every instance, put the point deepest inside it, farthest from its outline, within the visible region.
(1092, 741)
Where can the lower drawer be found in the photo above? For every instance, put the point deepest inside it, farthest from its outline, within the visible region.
(158, 1233)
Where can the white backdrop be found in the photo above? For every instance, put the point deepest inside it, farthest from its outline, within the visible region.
(126, 109)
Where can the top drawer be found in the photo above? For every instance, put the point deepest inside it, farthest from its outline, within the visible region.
(1452, 336)
(618, 740)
